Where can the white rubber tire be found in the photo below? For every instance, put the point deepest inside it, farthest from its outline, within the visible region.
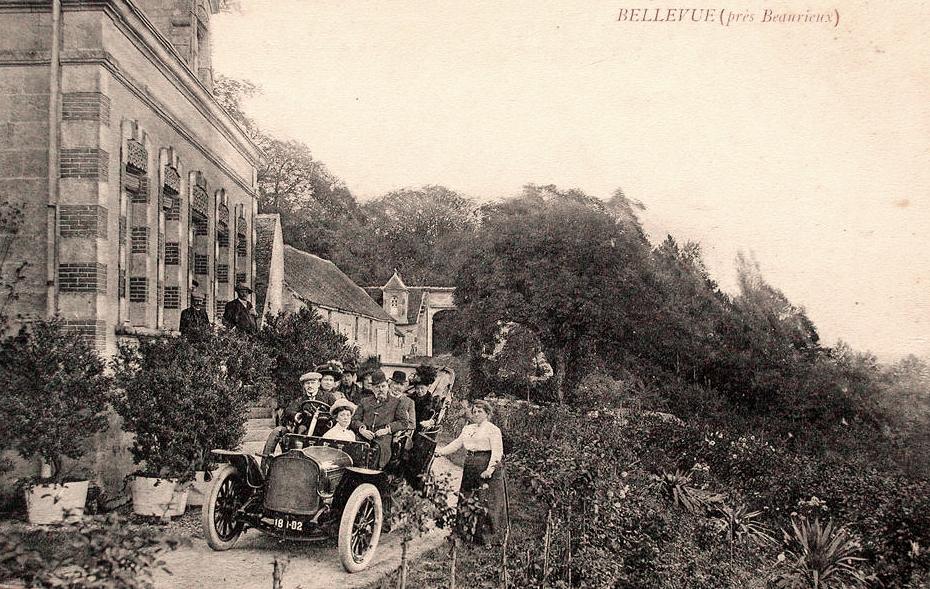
(366, 498)
(215, 539)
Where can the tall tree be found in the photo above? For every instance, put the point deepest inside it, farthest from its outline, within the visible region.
(418, 231)
(314, 203)
(231, 93)
(561, 265)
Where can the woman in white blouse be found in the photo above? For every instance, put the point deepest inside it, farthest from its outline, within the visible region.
(341, 411)
(484, 452)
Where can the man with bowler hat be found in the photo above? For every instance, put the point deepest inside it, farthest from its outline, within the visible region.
(399, 389)
(238, 313)
(379, 417)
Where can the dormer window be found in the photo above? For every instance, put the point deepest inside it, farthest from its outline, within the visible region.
(394, 305)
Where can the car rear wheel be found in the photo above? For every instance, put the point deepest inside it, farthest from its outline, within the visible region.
(360, 528)
(218, 518)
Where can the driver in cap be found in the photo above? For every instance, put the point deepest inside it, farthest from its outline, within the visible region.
(294, 418)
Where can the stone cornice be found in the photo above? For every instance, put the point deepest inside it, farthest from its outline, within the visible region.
(163, 56)
(106, 60)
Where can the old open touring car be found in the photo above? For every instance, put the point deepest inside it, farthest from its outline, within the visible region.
(316, 487)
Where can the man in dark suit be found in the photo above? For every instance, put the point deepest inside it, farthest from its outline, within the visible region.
(378, 418)
(349, 385)
(238, 313)
(194, 319)
(294, 419)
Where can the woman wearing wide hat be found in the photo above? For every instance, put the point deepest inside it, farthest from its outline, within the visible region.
(331, 373)
(341, 412)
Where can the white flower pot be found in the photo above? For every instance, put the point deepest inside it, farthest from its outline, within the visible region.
(200, 488)
(161, 497)
(53, 504)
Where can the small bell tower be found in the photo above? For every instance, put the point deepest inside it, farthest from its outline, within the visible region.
(395, 298)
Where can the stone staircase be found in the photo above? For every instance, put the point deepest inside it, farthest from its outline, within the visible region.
(257, 428)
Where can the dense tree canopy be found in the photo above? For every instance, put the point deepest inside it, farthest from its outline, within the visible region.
(418, 231)
(560, 264)
(577, 273)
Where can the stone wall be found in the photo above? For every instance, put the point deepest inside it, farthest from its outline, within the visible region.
(24, 92)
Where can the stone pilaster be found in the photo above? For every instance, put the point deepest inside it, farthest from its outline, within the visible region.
(85, 274)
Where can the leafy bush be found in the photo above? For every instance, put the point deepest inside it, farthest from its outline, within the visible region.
(591, 469)
(102, 551)
(297, 342)
(56, 393)
(183, 398)
(245, 367)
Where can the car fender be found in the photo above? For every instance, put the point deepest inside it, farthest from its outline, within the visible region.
(355, 476)
(245, 463)
(368, 472)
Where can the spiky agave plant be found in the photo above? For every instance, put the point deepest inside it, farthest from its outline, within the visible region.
(676, 488)
(821, 557)
(738, 523)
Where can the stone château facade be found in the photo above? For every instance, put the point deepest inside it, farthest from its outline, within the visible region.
(133, 182)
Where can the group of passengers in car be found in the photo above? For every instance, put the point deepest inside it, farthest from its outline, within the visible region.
(382, 411)
(379, 410)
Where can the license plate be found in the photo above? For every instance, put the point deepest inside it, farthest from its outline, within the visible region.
(288, 524)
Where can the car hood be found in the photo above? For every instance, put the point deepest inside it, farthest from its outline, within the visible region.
(327, 458)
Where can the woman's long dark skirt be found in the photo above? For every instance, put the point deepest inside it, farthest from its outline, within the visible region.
(493, 497)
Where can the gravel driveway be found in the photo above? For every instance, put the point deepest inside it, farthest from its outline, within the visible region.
(310, 566)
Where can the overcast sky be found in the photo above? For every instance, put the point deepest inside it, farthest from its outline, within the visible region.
(805, 144)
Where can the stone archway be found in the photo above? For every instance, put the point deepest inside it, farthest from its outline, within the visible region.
(436, 300)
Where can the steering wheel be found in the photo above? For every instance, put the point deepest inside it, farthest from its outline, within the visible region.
(311, 405)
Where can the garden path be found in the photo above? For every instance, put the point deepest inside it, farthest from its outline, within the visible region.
(310, 566)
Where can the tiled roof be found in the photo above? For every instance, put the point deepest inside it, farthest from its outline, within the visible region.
(322, 283)
(264, 244)
(375, 293)
(414, 300)
(395, 282)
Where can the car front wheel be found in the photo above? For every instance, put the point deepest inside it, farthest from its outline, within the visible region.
(218, 518)
(360, 528)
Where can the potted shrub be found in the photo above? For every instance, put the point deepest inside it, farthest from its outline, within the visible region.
(182, 398)
(56, 397)
(245, 369)
(156, 398)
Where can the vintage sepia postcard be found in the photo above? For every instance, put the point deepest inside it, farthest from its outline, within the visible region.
(310, 293)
